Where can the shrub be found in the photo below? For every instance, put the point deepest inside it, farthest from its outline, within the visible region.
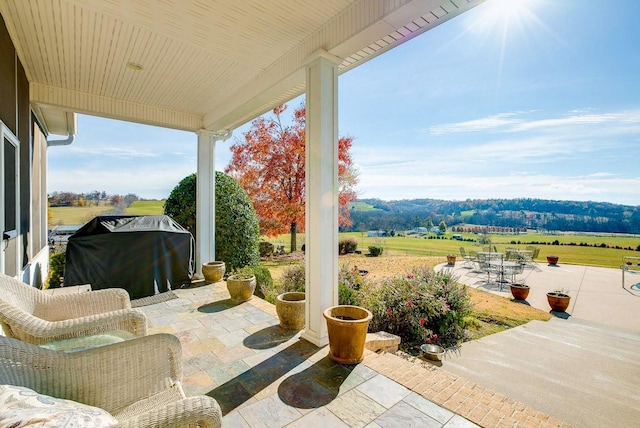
(347, 245)
(346, 296)
(374, 250)
(56, 270)
(265, 249)
(237, 230)
(293, 279)
(421, 307)
(350, 278)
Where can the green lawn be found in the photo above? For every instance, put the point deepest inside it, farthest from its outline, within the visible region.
(570, 254)
(81, 215)
(420, 246)
(76, 215)
(146, 208)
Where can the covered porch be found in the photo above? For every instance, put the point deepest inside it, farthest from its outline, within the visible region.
(204, 67)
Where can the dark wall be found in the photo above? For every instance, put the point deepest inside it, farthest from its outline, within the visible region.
(15, 112)
(7, 79)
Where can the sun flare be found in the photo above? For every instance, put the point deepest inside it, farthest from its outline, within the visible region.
(501, 15)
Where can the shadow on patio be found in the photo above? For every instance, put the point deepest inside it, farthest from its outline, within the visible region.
(262, 375)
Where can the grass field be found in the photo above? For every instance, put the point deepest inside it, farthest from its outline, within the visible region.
(568, 249)
(76, 215)
(146, 208)
(569, 254)
(81, 215)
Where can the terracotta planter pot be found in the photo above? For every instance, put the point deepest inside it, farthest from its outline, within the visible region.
(241, 288)
(213, 271)
(290, 308)
(451, 259)
(347, 328)
(552, 260)
(519, 291)
(559, 302)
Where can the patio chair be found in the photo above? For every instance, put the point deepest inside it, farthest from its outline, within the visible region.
(34, 316)
(468, 259)
(136, 383)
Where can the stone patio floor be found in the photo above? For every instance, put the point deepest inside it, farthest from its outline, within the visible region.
(263, 376)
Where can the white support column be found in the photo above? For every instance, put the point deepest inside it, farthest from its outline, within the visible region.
(205, 199)
(321, 229)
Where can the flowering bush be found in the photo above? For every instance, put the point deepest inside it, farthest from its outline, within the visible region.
(420, 307)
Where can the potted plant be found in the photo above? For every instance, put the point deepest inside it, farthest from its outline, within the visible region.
(241, 287)
(552, 260)
(213, 271)
(519, 290)
(347, 329)
(558, 300)
(451, 259)
(290, 308)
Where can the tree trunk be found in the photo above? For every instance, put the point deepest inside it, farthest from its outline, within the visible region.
(293, 237)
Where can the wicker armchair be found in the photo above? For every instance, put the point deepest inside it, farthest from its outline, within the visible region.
(136, 381)
(33, 316)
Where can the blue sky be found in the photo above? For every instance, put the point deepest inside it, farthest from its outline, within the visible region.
(540, 100)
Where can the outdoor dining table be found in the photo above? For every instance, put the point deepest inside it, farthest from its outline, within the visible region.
(503, 268)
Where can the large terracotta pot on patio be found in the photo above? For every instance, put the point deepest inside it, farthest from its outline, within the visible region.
(559, 302)
(347, 328)
(552, 260)
(519, 291)
(241, 287)
(290, 308)
(451, 259)
(213, 271)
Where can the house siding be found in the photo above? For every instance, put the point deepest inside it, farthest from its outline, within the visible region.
(15, 113)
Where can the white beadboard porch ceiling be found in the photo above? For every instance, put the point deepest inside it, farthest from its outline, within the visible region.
(213, 64)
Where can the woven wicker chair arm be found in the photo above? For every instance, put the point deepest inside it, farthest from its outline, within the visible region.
(200, 411)
(76, 305)
(35, 330)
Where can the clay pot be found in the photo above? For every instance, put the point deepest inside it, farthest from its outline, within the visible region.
(291, 308)
(347, 328)
(213, 271)
(559, 302)
(451, 259)
(241, 287)
(552, 260)
(519, 291)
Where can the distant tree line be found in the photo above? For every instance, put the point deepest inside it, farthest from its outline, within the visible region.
(71, 199)
(505, 214)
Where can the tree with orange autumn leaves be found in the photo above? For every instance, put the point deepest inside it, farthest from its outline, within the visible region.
(270, 166)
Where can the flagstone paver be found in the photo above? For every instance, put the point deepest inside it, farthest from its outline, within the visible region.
(263, 376)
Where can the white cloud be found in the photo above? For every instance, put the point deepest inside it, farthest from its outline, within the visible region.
(124, 152)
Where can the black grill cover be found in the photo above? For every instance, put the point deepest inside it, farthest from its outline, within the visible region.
(145, 255)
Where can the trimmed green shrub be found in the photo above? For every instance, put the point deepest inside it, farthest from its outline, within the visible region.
(347, 245)
(56, 270)
(421, 307)
(237, 230)
(374, 250)
(265, 249)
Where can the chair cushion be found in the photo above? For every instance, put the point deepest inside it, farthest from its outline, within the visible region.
(23, 407)
(76, 344)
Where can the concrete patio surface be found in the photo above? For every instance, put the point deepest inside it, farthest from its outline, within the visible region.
(596, 293)
(581, 366)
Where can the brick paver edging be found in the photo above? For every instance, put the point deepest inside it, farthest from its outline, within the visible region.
(468, 399)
